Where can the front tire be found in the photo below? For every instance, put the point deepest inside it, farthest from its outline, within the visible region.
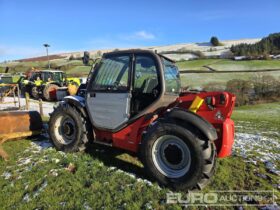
(177, 157)
(68, 129)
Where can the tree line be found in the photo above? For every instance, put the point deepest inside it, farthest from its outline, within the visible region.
(269, 45)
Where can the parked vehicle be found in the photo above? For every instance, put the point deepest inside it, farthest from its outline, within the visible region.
(133, 101)
(43, 83)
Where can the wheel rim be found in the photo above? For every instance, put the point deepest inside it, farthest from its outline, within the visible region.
(171, 156)
(65, 129)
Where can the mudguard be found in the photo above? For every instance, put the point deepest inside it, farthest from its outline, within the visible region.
(195, 120)
(78, 102)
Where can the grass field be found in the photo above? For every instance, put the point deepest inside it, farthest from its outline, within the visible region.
(200, 80)
(196, 64)
(228, 65)
(39, 177)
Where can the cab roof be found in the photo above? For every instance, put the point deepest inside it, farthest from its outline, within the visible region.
(130, 51)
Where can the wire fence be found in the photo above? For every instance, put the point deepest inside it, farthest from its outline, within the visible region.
(10, 91)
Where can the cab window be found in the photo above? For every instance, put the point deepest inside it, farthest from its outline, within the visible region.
(171, 77)
(112, 74)
(146, 77)
(58, 76)
(146, 88)
(35, 76)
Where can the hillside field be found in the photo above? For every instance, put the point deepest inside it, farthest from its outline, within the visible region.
(77, 67)
(228, 64)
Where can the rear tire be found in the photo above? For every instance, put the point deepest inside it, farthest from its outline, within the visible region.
(68, 129)
(177, 157)
(47, 91)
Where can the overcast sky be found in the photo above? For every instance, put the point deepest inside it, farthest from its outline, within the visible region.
(69, 25)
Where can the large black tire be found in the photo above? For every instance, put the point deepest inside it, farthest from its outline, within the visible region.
(35, 93)
(47, 90)
(177, 157)
(68, 129)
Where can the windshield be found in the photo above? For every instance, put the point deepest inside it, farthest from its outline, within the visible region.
(35, 76)
(171, 77)
(58, 76)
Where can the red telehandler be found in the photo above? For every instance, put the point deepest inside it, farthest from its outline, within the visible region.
(133, 101)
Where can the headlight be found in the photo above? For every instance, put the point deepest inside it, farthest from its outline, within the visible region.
(210, 101)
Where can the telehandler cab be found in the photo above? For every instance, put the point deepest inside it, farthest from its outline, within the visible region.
(133, 101)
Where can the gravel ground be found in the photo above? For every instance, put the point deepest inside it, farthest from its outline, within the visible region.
(34, 106)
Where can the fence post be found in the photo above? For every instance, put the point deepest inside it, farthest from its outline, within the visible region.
(14, 95)
(41, 107)
(27, 101)
(18, 94)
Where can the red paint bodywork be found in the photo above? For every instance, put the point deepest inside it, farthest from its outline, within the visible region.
(224, 126)
(130, 137)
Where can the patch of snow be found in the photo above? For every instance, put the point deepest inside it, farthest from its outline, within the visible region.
(62, 153)
(148, 205)
(112, 168)
(56, 160)
(26, 198)
(63, 204)
(270, 207)
(54, 172)
(257, 147)
(271, 167)
(19, 177)
(23, 161)
(100, 164)
(147, 182)
(40, 189)
(7, 175)
(45, 144)
(144, 181)
(86, 206)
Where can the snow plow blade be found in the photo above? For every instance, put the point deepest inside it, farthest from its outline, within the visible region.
(19, 124)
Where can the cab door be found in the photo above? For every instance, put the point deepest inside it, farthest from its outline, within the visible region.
(108, 96)
(146, 83)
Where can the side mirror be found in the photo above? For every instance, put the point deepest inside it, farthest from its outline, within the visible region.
(86, 58)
